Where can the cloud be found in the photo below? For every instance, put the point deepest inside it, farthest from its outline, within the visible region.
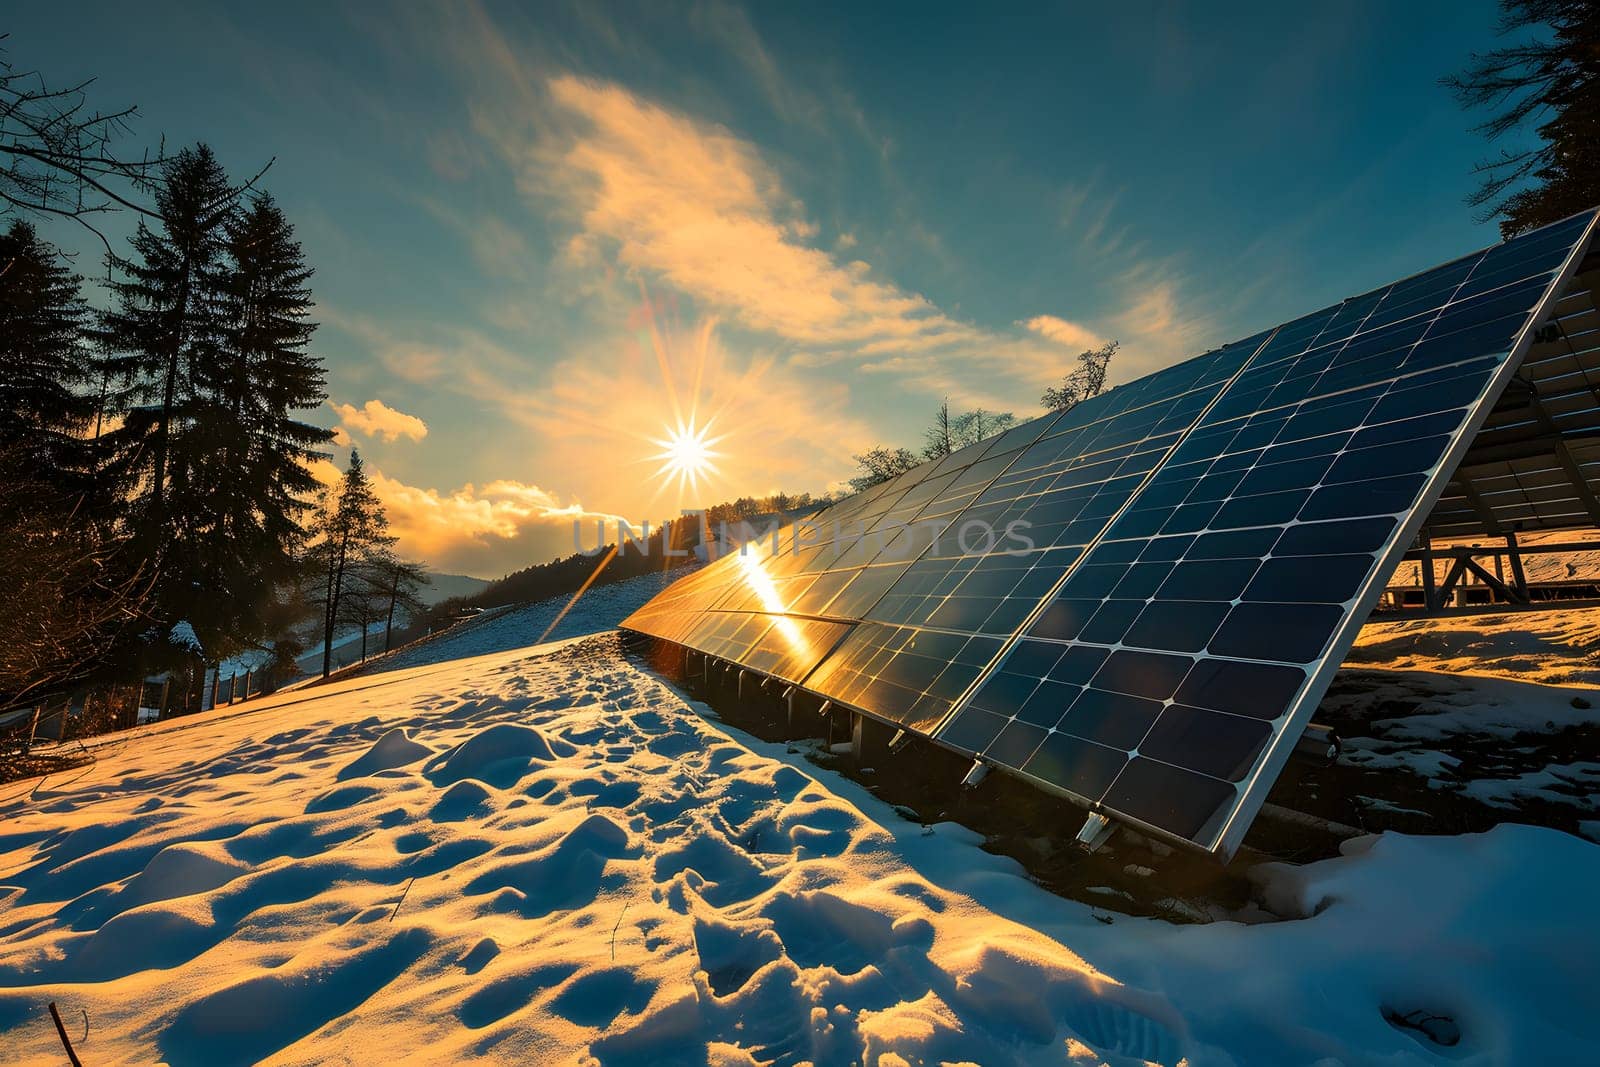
(692, 204)
(1068, 334)
(487, 530)
(729, 26)
(599, 411)
(696, 206)
(377, 419)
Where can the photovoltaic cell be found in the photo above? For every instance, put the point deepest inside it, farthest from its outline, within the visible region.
(1212, 601)
(1136, 603)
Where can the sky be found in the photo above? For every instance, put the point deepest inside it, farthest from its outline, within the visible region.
(549, 237)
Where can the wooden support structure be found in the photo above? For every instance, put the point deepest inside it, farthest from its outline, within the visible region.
(1430, 595)
(1467, 566)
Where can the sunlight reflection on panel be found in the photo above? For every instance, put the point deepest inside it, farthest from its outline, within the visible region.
(758, 579)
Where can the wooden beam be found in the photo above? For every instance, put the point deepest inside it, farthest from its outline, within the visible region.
(1495, 584)
(1430, 596)
(1563, 454)
(1475, 499)
(1453, 551)
(1457, 570)
(1514, 554)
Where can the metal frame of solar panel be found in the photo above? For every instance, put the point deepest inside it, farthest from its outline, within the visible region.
(1202, 544)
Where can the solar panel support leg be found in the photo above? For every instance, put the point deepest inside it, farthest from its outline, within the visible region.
(796, 722)
(1096, 831)
(1519, 579)
(1430, 596)
(1319, 743)
(979, 771)
(869, 740)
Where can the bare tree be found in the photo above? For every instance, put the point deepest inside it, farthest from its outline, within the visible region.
(880, 464)
(64, 604)
(56, 152)
(402, 581)
(1083, 382)
(980, 425)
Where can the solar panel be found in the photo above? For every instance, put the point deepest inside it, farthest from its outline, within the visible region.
(1201, 546)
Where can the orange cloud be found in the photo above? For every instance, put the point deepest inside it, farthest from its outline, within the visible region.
(485, 531)
(377, 419)
(1068, 334)
(691, 203)
(694, 204)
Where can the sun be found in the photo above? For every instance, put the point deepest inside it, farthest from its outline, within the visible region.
(686, 454)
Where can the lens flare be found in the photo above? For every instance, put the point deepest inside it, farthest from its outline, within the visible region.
(686, 454)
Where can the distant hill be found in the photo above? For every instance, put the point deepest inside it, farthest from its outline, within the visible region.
(446, 586)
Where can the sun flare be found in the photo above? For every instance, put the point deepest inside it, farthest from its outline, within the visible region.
(686, 454)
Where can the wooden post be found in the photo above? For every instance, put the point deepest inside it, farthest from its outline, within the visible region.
(1430, 596)
(166, 691)
(247, 675)
(216, 686)
(1519, 580)
(232, 678)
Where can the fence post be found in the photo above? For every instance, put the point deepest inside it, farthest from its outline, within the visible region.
(232, 679)
(247, 675)
(166, 691)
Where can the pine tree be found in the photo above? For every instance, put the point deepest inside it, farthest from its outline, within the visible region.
(940, 438)
(44, 411)
(350, 529)
(165, 326)
(1549, 80)
(267, 376)
(254, 393)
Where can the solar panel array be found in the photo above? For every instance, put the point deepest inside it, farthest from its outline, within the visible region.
(1137, 603)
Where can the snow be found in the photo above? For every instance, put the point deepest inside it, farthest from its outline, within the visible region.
(600, 608)
(1520, 735)
(1555, 647)
(182, 636)
(549, 856)
(1569, 783)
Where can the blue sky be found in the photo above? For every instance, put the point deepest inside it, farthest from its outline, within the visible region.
(544, 235)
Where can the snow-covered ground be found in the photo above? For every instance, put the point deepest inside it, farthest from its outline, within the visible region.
(1559, 647)
(549, 856)
(600, 608)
